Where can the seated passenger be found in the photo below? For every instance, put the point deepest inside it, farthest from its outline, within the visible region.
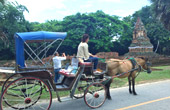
(83, 52)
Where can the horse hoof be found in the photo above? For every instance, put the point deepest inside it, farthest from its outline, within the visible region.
(135, 94)
(130, 92)
(109, 98)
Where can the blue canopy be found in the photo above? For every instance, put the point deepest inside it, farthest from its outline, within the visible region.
(20, 38)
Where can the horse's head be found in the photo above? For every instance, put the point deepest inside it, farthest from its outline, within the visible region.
(146, 64)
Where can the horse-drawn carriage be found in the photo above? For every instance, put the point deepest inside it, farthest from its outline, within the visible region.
(32, 83)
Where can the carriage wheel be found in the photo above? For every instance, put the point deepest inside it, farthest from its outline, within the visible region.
(25, 93)
(12, 77)
(80, 89)
(95, 95)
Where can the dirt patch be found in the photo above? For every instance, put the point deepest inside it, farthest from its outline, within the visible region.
(150, 81)
(155, 69)
(7, 63)
(167, 68)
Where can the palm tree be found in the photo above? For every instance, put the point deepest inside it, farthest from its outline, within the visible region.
(161, 9)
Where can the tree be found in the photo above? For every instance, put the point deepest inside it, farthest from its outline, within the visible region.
(52, 25)
(100, 26)
(122, 44)
(12, 21)
(2, 1)
(161, 9)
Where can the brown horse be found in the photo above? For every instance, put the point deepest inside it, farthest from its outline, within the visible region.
(126, 68)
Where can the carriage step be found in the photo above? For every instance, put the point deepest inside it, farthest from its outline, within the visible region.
(66, 99)
(107, 77)
(61, 86)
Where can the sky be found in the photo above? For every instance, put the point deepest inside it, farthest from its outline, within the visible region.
(43, 10)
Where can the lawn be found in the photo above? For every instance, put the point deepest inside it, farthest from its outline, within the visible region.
(162, 73)
(143, 77)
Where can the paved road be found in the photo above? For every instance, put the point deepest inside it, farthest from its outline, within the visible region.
(151, 96)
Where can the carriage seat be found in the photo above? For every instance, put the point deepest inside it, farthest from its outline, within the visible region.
(72, 72)
(67, 73)
(86, 63)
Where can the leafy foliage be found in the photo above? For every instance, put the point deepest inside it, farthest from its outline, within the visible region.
(102, 28)
(2, 1)
(12, 20)
(161, 8)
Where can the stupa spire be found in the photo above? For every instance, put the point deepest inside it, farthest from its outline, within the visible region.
(140, 45)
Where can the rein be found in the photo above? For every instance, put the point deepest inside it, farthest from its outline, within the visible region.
(125, 72)
(109, 78)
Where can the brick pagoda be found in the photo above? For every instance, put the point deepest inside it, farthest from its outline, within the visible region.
(140, 45)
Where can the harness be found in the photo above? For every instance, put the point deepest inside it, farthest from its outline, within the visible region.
(134, 63)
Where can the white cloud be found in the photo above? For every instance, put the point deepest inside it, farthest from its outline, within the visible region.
(38, 8)
(66, 12)
(121, 13)
(42, 10)
(114, 1)
(42, 4)
(88, 5)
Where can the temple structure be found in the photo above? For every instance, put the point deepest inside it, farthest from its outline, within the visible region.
(140, 45)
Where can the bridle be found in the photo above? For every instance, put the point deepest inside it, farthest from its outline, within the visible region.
(148, 64)
(140, 68)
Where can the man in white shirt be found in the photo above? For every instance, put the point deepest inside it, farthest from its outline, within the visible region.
(57, 65)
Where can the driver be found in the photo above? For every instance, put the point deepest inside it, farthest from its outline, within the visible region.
(83, 52)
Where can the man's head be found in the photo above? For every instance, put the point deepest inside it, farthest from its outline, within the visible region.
(85, 38)
(57, 54)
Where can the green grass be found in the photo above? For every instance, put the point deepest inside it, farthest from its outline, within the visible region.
(144, 77)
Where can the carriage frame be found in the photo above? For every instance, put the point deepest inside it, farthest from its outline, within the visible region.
(89, 85)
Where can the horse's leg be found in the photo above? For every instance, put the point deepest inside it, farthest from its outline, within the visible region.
(133, 84)
(129, 80)
(108, 89)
